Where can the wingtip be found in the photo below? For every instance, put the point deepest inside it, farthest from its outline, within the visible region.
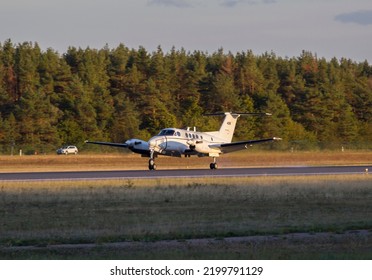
(277, 139)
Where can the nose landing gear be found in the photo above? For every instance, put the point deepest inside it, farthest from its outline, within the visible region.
(152, 165)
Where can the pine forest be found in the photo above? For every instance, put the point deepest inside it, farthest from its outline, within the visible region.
(48, 99)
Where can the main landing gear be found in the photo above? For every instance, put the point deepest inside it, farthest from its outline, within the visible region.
(213, 165)
(152, 165)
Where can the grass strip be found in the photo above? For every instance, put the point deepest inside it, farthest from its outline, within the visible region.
(42, 213)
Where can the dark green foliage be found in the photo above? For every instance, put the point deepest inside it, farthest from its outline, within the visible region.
(48, 99)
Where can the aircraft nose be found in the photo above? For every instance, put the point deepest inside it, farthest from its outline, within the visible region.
(152, 143)
(158, 144)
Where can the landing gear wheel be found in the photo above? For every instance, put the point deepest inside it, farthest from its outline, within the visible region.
(152, 165)
(213, 165)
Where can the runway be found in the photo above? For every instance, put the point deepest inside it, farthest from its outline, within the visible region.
(188, 173)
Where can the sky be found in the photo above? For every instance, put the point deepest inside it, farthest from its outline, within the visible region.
(327, 28)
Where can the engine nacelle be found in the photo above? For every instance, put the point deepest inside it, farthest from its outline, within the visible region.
(133, 142)
(138, 146)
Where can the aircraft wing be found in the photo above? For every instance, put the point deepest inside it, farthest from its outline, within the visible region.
(121, 145)
(236, 146)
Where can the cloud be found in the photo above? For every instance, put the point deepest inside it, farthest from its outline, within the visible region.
(363, 17)
(170, 3)
(233, 3)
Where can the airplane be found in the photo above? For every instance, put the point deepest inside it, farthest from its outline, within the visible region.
(176, 142)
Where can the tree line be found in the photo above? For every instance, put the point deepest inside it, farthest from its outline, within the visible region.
(49, 99)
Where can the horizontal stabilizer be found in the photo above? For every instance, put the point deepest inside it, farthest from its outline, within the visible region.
(237, 113)
(236, 146)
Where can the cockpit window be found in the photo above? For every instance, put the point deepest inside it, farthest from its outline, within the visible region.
(167, 132)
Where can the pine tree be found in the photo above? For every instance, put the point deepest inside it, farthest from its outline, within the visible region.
(117, 69)
(9, 74)
(11, 136)
(37, 119)
(125, 122)
(347, 126)
(27, 59)
(155, 114)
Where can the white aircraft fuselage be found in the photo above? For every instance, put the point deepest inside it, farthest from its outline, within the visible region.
(177, 142)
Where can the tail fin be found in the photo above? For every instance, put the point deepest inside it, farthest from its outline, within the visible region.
(227, 128)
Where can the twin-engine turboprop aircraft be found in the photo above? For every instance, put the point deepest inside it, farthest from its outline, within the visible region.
(177, 142)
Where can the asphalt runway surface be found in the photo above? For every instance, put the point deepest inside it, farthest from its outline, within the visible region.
(187, 173)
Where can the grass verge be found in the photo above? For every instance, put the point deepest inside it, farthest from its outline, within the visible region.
(145, 211)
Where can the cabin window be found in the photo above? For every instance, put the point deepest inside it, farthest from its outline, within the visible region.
(178, 133)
